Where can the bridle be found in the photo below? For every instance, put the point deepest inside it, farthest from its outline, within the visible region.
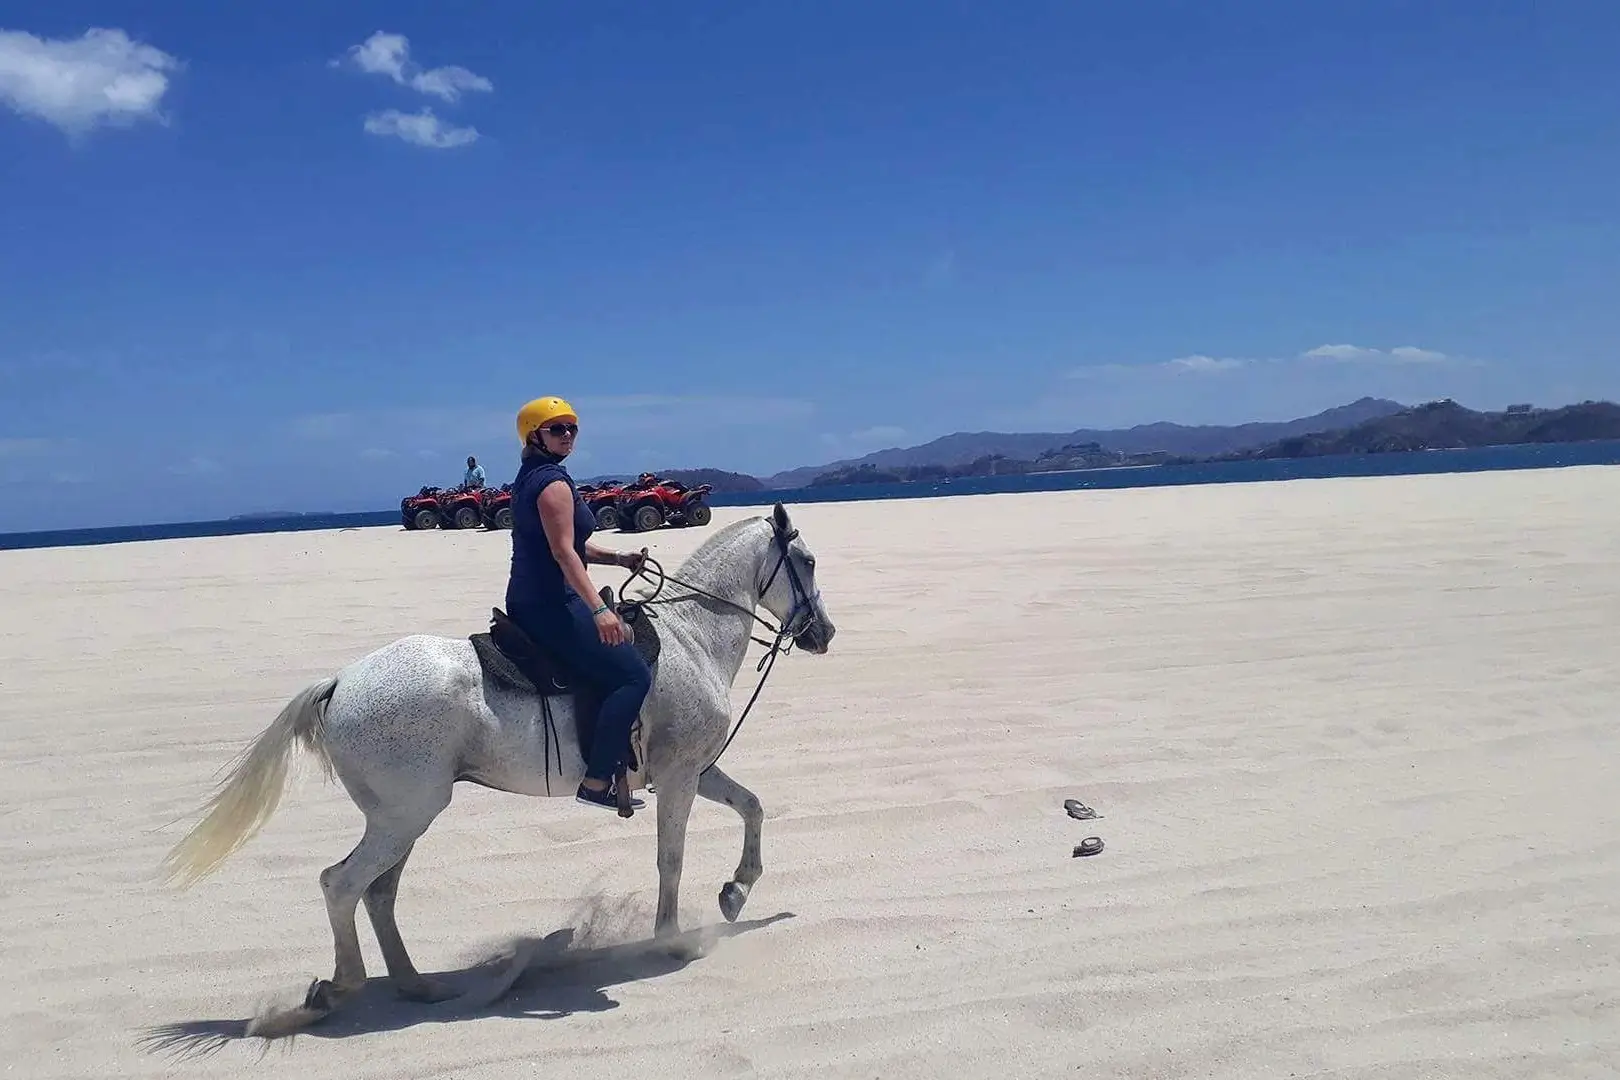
(802, 611)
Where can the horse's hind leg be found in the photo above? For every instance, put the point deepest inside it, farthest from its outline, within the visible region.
(384, 845)
(410, 983)
(716, 786)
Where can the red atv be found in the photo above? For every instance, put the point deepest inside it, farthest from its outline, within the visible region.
(653, 502)
(421, 511)
(603, 500)
(495, 504)
(459, 508)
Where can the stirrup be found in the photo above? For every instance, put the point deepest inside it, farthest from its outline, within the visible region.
(607, 798)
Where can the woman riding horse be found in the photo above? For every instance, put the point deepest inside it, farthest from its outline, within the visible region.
(546, 593)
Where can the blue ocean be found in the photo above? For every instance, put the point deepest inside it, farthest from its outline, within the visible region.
(1484, 459)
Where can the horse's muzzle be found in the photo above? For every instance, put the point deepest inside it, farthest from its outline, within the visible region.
(815, 638)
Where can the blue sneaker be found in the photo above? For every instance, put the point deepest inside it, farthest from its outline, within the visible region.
(607, 798)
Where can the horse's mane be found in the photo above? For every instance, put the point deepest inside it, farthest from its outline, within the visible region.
(697, 566)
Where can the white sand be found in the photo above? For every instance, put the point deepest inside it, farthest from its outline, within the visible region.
(1354, 743)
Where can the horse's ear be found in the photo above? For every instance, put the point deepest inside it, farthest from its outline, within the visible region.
(779, 516)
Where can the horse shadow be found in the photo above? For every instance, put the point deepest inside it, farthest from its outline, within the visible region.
(546, 978)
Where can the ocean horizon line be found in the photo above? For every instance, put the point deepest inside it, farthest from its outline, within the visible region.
(1262, 470)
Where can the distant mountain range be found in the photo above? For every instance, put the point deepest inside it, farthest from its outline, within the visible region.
(1446, 425)
(1369, 425)
(1178, 440)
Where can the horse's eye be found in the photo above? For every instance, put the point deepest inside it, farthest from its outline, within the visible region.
(809, 562)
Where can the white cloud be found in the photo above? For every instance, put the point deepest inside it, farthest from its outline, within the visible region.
(389, 55)
(1197, 364)
(100, 78)
(1357, 354)
(420, 129)
(1200, 363)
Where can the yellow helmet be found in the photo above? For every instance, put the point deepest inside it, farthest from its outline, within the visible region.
(540, 412)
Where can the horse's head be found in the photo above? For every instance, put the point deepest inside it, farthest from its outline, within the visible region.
(790, 591)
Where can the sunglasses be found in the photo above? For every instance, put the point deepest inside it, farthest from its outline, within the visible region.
(559, 430)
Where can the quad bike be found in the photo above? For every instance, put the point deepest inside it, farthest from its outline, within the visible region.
(495, 504)
(421, 511)
(460, 508)
(662, 502)
(603, 502)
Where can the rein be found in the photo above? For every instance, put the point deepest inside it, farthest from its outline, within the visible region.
(775, 647)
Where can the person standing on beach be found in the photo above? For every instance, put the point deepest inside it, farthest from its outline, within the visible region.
(474, 476)
(547, 592)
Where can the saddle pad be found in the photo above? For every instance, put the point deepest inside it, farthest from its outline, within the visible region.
(501, 669)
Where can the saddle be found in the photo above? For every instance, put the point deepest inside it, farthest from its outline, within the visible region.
(516, 662)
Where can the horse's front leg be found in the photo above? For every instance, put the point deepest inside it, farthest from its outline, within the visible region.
(675, 795)
(716, 786)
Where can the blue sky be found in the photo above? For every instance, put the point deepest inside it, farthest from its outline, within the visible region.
(312, 255)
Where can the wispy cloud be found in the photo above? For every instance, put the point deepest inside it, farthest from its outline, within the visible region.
(1200, 364)
(420, 129)
(389, 55)
(101, 78)
(1356, 354)
(1206, 364)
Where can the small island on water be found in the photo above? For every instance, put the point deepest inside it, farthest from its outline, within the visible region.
(1071, 457)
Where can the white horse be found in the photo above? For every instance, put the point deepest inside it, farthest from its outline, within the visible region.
(400, 726)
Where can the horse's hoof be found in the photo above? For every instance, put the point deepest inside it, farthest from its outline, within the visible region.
(322, 997)
(426, 991)
(732, 899)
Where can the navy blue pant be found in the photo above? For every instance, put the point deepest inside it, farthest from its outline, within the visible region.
(617, 672)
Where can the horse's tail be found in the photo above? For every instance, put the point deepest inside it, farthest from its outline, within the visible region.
(249, 795)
